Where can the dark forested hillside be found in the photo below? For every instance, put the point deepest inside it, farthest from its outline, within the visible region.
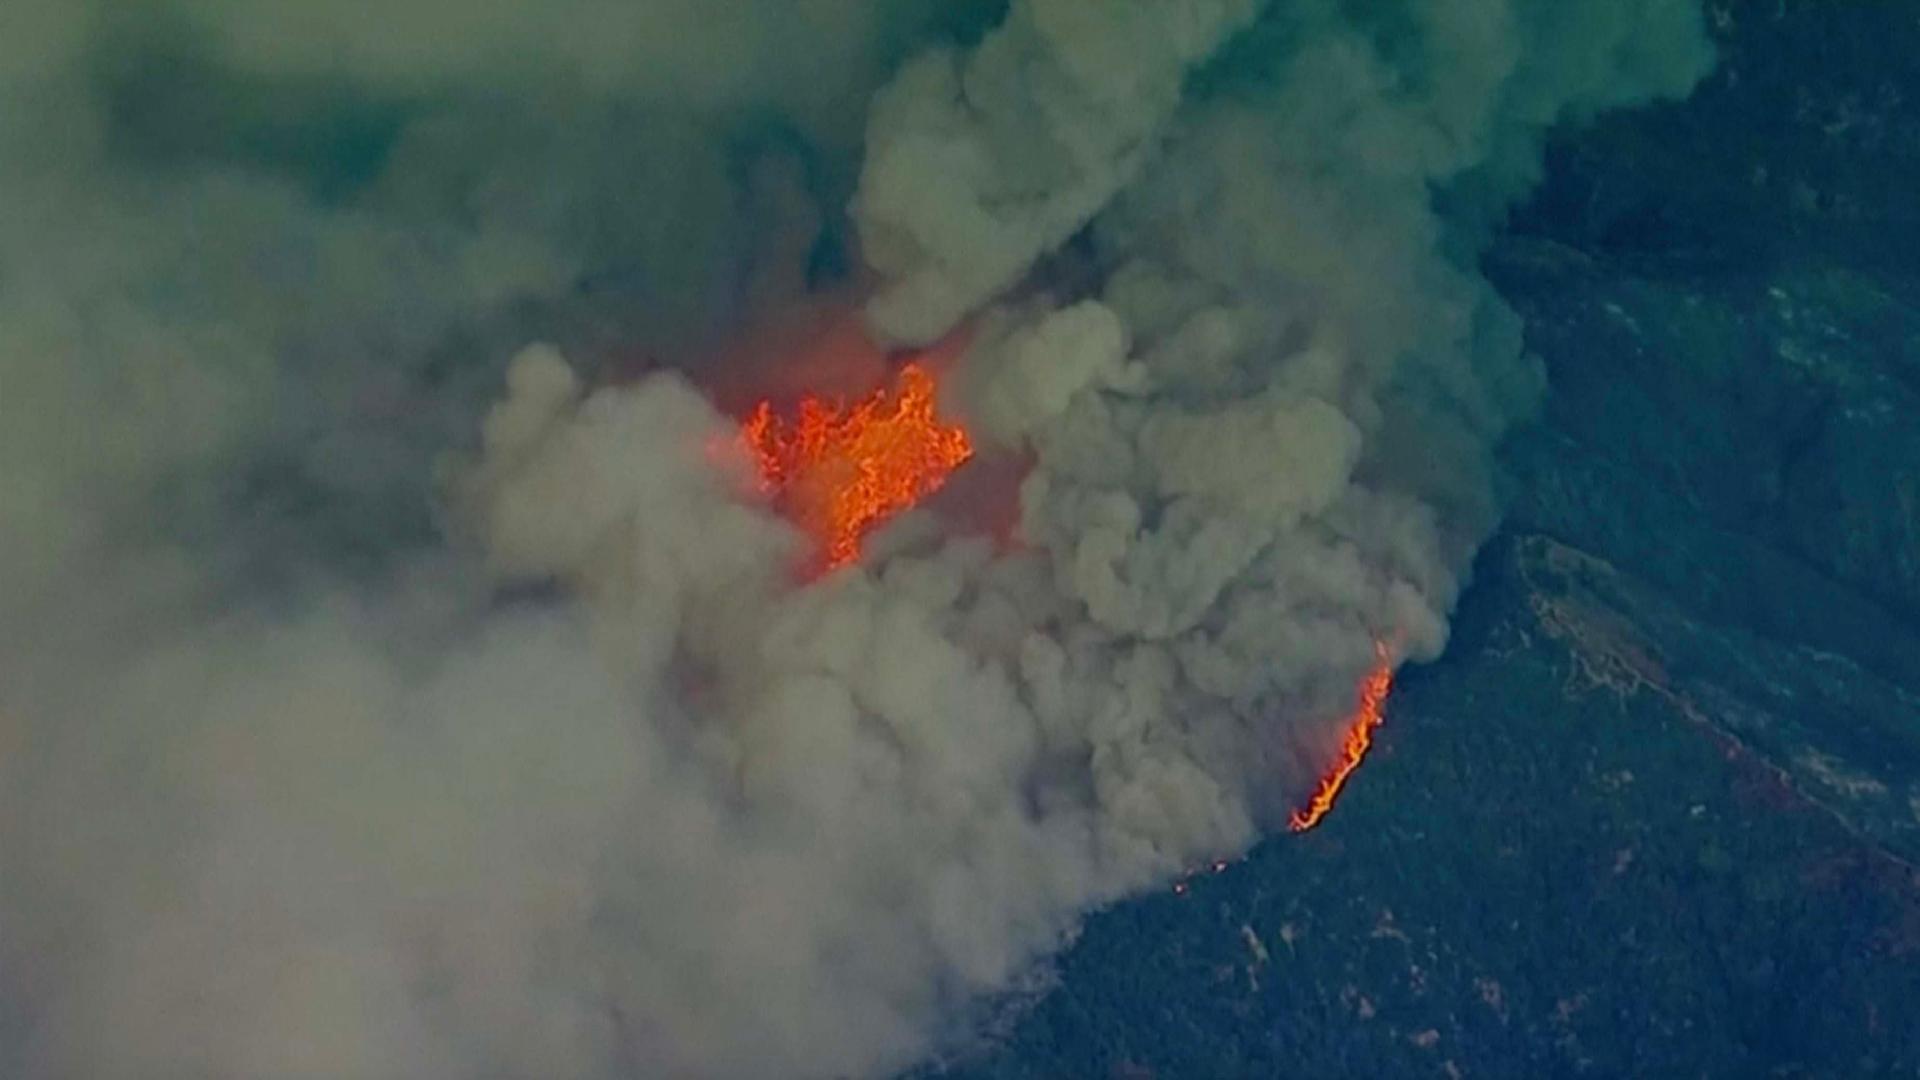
(1657, 810)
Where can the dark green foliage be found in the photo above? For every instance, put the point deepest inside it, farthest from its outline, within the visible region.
(1657, 811)
(1544, 870)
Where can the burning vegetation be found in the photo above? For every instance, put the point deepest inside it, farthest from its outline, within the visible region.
(840, 470)
(1367, 715)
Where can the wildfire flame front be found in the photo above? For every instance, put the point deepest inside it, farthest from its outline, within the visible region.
(1367, 715)
(840, 471)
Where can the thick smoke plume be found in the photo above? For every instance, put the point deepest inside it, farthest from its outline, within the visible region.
(359, 717)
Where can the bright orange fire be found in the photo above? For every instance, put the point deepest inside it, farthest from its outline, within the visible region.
(841, 470)
(1367, 715)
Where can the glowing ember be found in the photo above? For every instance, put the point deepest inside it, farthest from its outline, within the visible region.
(1366, 716)
(840, 471)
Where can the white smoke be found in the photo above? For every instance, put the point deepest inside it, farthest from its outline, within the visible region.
(351, 727)
(979, 162)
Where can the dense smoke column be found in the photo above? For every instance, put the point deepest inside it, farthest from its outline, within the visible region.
(1262, 434)
(978, 162)
(352, 727)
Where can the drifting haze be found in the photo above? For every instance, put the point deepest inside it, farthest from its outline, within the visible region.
(354, 723)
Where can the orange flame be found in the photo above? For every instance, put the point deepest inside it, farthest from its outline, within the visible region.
(1366, 716)
(840, 471)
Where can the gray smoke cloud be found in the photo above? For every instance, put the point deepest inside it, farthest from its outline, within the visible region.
(400, 673)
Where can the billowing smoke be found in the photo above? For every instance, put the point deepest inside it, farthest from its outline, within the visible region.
(373, 706)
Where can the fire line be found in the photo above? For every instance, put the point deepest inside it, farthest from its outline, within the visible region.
(839, 471)
(1367, 715)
